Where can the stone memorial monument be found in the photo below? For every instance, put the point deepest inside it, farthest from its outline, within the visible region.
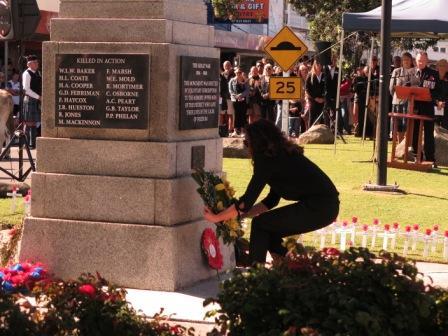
(130, 106)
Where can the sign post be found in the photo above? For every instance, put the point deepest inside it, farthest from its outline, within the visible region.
(285, 49)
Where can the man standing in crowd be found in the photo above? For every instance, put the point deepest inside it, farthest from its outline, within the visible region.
(374, 93)
(227, 111)
(427, 78)
(331, 81)
(32, 86)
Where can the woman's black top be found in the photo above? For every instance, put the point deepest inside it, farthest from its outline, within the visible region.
(290, 176)
(314, 88)
(360, 86)
(442, 88)
(255, 90)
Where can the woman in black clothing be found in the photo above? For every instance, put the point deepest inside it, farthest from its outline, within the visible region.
(315, 91)
(239, 92)
(360, 89)
(282, 165)
(442, 92)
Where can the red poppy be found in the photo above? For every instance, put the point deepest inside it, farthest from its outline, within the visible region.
(365, 227)
(354, 219)
(408, 228)
(415, 227)
(446, 234)
(87, 290)
(428, 232)
(386, 227)
(331, 251)
(211, 249)
(396, 226)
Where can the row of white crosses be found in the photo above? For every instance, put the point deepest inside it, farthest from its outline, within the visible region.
(348, 233)
(14, 194)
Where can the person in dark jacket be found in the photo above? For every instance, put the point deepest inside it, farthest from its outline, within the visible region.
(360, 89)
(427, 78)
(278, 163)
(442, 92)
(315, 90)
(331, 90)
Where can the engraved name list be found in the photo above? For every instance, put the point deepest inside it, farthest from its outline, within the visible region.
(102, 91)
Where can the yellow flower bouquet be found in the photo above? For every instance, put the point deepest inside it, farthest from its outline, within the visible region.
(218, 195)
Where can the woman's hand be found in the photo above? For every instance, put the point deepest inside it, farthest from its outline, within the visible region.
(224, 215)
(209, 215)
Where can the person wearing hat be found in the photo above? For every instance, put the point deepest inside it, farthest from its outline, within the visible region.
(32, 86)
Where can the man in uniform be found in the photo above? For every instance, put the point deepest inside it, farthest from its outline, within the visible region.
(427, 78)
(32, 86)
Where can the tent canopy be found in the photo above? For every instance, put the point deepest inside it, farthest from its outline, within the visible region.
(414, 18)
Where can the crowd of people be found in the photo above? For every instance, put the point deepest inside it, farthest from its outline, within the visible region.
(245, 97)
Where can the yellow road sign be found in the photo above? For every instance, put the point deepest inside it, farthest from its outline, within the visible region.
(286, 48)
(285, 88)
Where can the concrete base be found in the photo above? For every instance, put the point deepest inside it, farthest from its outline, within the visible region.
(129, 255)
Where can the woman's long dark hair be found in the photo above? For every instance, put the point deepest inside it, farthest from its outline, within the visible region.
(263, 137)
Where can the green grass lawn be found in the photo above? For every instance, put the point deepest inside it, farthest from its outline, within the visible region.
(426, 201)
(8, 218)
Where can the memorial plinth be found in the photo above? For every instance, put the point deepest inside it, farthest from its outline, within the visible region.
(130, 103)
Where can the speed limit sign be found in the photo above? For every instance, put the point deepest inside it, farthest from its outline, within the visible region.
(285, 88)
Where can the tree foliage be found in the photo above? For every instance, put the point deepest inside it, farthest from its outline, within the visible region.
(325, 18)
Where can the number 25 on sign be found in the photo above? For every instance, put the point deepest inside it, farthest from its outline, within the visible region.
(285, 88)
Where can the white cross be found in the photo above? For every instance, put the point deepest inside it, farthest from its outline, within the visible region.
(14, 196)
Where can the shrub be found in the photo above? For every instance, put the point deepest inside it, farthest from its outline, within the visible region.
(14, 318)
(89, 306)
(331, 293)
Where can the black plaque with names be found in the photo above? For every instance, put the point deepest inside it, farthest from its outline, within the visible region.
(199, 93)
(102, 91)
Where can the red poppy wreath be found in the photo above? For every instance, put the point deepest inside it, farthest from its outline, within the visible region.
(211, 249)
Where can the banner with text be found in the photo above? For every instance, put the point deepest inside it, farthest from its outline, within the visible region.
(248, 12)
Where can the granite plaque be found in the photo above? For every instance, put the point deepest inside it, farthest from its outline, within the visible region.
(197, 157)
(199, 93)
(102, 90)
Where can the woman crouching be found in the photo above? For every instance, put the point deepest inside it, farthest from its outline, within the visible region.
(282, 165)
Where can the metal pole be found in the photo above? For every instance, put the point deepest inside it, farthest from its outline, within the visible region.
(285, 111)
(381, 130)
(338, 95)
(23, 128)
(367, 93)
